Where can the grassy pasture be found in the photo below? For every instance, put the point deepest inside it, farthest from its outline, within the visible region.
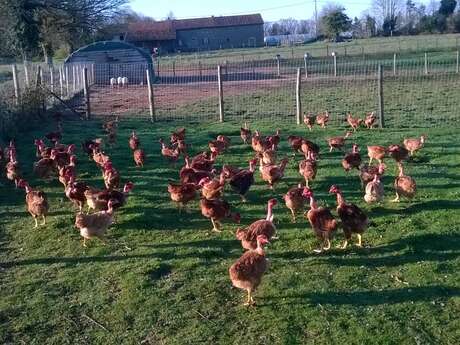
(162, 278)
(403, 45)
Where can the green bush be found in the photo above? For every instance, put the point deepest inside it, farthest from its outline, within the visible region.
(6, 75)
(61, 53)
(16, 118)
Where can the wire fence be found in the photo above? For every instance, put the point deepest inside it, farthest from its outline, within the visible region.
(366, 49)
(417, 90)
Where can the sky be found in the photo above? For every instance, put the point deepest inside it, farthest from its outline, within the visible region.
(271, 10)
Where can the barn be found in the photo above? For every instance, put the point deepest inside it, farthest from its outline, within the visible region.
(198, 34)
(112, 59)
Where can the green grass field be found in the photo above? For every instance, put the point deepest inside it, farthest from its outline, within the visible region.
(162, 278)
(402, 45)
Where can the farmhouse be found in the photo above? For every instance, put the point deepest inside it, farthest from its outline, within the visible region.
(198, 34)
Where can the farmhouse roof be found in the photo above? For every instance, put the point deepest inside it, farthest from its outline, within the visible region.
(151, 31)
(209, 22)
(166, 30)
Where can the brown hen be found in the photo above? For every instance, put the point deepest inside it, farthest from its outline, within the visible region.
(245, 133)
(272, 173)
(322, 222)
(96, 224)
(376, 152)
(246, 273)
(266, 227)
(404, 185)
(295, 201)
(37, 202)
(308, 168)
(352, 160)
(182, 193)
(309, 120)
(338, 142)
(217, 210)
(354, 220)
(414, 144)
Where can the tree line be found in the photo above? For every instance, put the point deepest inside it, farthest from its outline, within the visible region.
(384, 18)
(31, 28)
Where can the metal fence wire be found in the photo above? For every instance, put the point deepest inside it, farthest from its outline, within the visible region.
(418, 89)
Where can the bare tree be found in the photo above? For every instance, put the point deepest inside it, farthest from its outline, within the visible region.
(289, 26)
(170, 16)
(432, 7)
(306, 27)
(386, 8)
(267, 28)
(387, 11)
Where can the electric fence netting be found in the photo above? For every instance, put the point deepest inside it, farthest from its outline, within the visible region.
(420, 89)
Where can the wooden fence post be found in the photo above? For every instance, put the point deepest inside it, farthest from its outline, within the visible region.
(51, 78)
(74, 82)
(221, 94)
(305, 66)
(86, 93)
(200, 69)
(38, 83)
(297, 98)
(92, 73)
(150, 95)
(42, 80)
(381, 106)
(174, 68)
(26, 74)
(79, 77)
(67, 85)
(16, 84)
(394, 64)
(61, 81)
(327, 50)
(38, 80)
(335, 65)
(457, 60)
(278, 66)
(362, 52)
(426, 63)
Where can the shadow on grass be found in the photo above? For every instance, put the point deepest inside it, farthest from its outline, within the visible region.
(430, 247)
(216, 243)
(431, 205)
(366, 298)
(72, 261)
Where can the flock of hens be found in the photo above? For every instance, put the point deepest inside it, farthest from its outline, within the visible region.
(199, 176)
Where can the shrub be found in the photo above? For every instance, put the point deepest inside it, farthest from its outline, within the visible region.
(6, 75)
(61, 53)
(16, 118)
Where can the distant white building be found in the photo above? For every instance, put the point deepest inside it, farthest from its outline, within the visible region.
(288, 39)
